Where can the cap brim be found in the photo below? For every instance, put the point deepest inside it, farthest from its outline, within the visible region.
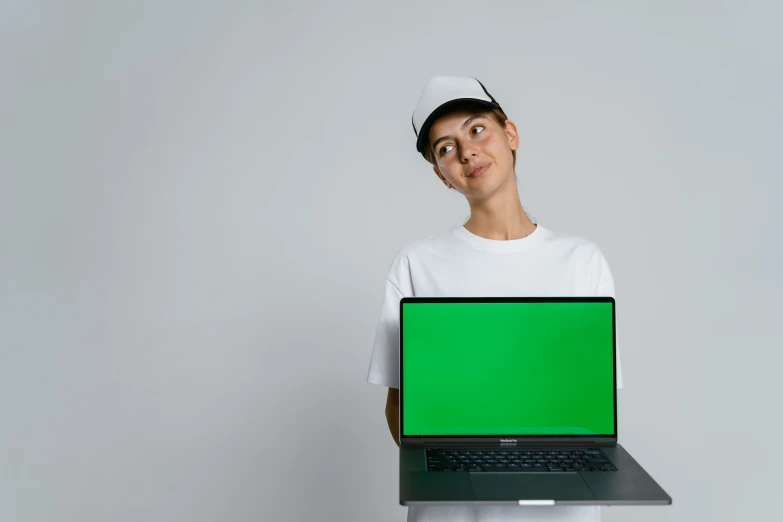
(424, 133)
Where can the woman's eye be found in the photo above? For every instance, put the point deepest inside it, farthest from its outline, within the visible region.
(443, 150)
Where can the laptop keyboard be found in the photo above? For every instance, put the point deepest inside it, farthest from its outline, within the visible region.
(516, 459)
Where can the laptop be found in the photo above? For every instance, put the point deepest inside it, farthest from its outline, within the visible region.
(513, 400)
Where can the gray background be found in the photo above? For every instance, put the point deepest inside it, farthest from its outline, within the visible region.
(199, 204)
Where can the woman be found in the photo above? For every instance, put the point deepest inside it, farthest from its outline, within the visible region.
(463, 132)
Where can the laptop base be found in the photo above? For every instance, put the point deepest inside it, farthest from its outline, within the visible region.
(629, 485)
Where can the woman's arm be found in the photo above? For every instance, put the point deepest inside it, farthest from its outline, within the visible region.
(393, 413)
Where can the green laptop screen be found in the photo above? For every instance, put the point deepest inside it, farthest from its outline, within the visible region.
(507, 368)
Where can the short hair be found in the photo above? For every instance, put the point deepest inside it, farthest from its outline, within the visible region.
(477, 108)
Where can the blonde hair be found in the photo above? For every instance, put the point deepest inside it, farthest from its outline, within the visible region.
(497, 114)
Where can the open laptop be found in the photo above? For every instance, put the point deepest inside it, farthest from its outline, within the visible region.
(513, 401)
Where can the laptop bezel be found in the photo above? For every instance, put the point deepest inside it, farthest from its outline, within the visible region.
(510, 440)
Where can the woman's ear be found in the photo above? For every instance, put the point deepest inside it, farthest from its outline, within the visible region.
(511, 133)
(442, 178)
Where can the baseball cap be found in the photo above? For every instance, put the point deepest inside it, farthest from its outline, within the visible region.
(441, 93)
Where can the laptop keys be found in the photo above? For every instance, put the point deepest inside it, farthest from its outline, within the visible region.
(517, 460)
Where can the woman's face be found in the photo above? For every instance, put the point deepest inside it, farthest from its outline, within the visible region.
(473, 152)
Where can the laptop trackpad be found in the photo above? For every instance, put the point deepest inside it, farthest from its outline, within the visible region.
(530, 486)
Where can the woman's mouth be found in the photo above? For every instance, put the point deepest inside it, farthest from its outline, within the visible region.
(478, 172)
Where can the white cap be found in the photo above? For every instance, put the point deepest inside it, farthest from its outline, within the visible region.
(439, 94)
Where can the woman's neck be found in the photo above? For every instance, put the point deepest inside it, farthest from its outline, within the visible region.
(500, 217)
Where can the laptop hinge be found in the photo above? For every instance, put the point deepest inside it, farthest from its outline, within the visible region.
(441, 443)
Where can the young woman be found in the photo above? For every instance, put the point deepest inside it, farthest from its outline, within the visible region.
(462, 131)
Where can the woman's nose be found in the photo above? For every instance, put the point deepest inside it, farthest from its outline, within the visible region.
(468, 150)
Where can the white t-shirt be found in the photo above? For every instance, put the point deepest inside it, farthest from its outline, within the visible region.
(462, 264)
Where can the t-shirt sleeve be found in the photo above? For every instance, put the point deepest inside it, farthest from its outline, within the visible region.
(385, 358)
(604, 284)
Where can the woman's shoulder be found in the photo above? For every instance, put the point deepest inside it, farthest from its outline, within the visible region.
(573, 241)
(442, 242)
(423, 247)
(418, 245)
